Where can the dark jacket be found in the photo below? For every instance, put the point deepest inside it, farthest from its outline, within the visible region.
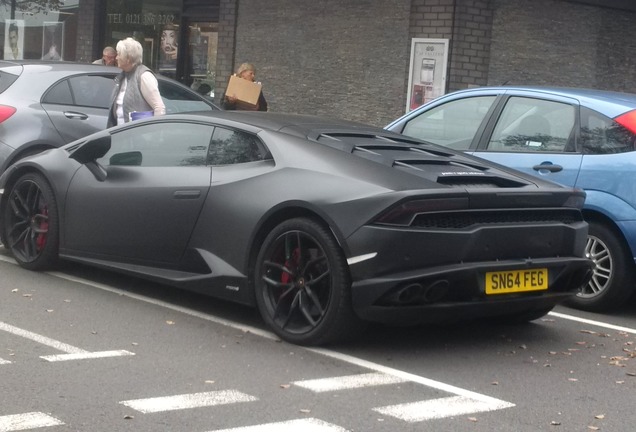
(261, 104)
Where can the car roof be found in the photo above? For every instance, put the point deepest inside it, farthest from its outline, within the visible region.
(610, 103)
(306, 126)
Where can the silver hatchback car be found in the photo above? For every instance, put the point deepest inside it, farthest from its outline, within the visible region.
(48, 104)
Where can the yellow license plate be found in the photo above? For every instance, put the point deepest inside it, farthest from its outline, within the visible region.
(514, 281)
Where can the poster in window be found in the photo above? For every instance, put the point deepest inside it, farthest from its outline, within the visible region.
(52, 40)
(427, 72)
(14, 39)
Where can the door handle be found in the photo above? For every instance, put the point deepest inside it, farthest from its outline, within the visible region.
(187, 194)
(548, 167)
(75, 115)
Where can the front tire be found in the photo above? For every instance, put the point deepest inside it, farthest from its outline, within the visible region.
(30, 222)
(302, 285)
(613, 279)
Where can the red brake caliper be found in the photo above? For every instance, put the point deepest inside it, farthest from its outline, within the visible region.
(40, 241)
(291, 264)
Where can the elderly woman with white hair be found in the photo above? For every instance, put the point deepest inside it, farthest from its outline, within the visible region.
(137, 89)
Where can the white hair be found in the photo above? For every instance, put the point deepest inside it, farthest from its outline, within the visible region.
(130, 49)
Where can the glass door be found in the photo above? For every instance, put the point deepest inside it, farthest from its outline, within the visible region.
(200, 67)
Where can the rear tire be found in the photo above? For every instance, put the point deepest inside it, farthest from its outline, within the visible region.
(613, 276)
(30, 223)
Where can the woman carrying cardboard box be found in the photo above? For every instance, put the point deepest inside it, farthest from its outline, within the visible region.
(232, 101)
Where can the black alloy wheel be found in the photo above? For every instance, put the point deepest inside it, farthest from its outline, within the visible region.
(302, 285)
(31, 223)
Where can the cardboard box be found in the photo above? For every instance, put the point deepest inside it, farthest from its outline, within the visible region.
(247, 92)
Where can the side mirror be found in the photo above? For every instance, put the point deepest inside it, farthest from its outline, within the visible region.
(92, 150)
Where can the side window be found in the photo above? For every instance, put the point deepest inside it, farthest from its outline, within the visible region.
(453, 124)
(234, 147)
(59, 93)
(160, 145)
(601, 134)
(178, 99)
(92, 90)
(534, 125)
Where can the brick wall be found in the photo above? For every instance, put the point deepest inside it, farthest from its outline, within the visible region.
(87, 34)
(328, 57)
(561, 43)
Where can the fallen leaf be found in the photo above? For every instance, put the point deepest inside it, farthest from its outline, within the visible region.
(285, 386)
(472, 419)
(305, 411)
(209, 382)
(49, 310)
(630, 373)
(15, 290)
(555, 423)
(587, 331)
(552, 353)
(593, 427)
(620, 382)
(572, 379)
(170, 322)
(523, 346)
(26, 295)
(67, 301)
(494, 383)
(129, 417)
(581, 343)
(600, 416)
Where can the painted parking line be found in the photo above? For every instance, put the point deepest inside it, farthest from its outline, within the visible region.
(72, 353)
(593, 322)
(348, 382)
(186, 401)
(305, 425)
(439, 408)
(26, 421)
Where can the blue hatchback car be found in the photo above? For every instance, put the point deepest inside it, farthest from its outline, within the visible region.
(577, 137)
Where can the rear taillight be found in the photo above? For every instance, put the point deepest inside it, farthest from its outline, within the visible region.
(6, 112)
(627, 120)
(403, 214)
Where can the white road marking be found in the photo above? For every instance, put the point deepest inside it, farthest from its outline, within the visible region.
(406, 376)
(3, 361)
(438, 408)
(593, 322)
(304, 425)
(18, 422)
(42, 339)
(348, 382)
(72, 353)
(87, 355)
(185, 401)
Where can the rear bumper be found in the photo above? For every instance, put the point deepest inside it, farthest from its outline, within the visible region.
(457, 292)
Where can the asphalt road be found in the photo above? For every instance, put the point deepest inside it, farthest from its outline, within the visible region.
(86, 350)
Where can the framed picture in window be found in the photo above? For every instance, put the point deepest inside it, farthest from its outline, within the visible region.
(52, 40)
(14, 39)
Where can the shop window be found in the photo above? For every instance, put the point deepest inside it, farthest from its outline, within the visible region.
(40, 30)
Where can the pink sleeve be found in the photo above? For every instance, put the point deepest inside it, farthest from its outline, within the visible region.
(150, 90)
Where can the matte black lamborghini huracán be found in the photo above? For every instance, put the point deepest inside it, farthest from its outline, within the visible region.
(322, 225)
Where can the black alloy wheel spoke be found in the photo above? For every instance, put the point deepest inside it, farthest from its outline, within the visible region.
(290, 312)
(315, 300)
(304, 309)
